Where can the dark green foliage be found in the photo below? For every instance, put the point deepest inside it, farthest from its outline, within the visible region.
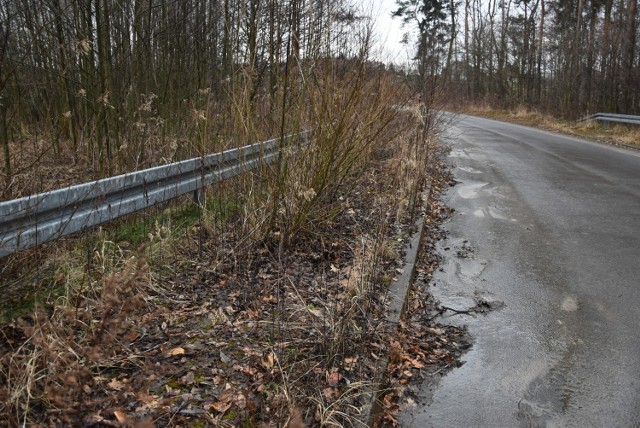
(430, 16)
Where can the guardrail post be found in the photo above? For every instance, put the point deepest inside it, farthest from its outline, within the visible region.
(197, 197)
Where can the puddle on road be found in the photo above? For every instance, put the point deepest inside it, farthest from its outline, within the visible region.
(569, 304)
(459, 303)
(489, 212)
(469, 270)
(458, 153)
(469, 170)
(470, 191)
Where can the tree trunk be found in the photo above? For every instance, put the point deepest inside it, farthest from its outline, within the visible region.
(6, 154)
(452, 10)
(5, 32)
(467, 60)
(102, 135)
(65, 67)
(606, 58)
(629, 56)
(540, 49)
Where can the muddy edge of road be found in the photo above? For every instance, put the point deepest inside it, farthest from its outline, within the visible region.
(422, 346)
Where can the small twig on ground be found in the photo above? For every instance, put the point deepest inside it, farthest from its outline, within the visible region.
(443, 309)
(441, 369)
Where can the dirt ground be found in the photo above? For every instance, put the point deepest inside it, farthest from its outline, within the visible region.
(266, 339)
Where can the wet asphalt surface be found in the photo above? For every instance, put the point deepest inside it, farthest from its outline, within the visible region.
(546, 229)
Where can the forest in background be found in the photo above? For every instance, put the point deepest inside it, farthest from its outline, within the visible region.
(567, 57)
(102, 87)
(110, 86)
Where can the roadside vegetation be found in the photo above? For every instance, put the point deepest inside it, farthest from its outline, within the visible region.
(593, 130)
(264, 305)
(216, 326)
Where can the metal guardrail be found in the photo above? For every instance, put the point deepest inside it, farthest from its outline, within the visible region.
(611, 117)
(35, 219)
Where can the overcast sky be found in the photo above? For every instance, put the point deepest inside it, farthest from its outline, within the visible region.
(388, 31)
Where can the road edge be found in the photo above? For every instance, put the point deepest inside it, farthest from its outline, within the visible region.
(604, 141)
(397, 296)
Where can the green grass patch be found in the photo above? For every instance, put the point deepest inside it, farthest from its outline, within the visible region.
(56, 274)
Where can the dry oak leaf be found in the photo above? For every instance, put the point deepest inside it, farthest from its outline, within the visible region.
(253, 314)
(417, 364)
(269, 299)
(188, 379)
(315, 312)
(395, 352)
(147, 401)
(330, 393)
(120, 416)
(116, 385)
(225, 401)
(269, 361)
(176, 351)
(248, 370)
(296, 419)
(221, 406)
(241, 401)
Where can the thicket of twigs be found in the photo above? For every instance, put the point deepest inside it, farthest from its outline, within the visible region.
(272, 312)
(97, 88)
(264, 305)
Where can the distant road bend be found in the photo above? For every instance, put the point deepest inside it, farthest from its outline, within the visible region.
(553, 224)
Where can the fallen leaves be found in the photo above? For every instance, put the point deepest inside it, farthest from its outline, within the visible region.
(176, 351)
(120, 416)
(230, 397)
(419, 349)
(239, 342)
(116, 385)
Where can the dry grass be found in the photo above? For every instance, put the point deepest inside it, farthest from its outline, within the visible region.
(591, 130)
(339, 204)
(346, 312)
(628, 136)
(53, 356)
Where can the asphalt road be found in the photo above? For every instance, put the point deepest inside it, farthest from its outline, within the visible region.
(549, 226)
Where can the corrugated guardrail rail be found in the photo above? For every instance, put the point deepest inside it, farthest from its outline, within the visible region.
(611, 117)
(35, 219)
